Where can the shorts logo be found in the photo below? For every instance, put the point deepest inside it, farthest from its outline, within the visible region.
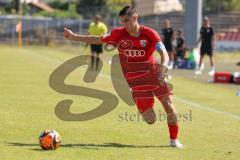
(134, 53)
(143, 43)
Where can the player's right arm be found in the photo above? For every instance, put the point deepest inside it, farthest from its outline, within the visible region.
(198, 41)
(68, 34)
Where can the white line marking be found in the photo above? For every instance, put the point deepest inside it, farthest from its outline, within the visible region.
(188, 102)
(206, 108)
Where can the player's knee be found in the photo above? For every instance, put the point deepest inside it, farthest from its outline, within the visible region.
(149, 116)
(152, 121)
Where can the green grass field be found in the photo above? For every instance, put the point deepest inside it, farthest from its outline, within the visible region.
(28, 103)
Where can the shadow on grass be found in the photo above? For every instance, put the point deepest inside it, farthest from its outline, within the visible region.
(89, 146)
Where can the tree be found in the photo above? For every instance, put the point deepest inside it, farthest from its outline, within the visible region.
(114, 6)
(220, 5)
(88, 8)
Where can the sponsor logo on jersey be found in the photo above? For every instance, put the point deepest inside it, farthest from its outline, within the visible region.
(134, 53)
(125, 44)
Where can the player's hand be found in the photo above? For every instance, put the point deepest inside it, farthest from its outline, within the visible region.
(163, 74)
(68, 34)
(163, 69)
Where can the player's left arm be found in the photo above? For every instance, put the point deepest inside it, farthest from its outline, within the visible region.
(160, 47)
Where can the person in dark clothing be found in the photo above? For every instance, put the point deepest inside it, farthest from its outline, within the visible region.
(168, 37)
(180, 48)
(207, 46)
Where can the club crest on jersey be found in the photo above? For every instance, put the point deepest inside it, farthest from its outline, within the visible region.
(143, 43)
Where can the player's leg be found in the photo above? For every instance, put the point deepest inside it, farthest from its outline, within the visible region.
(170, 52)
(171, 112)
(93, 52)
(149, 116)
(99, 51)
(97, 60)
(212, 63)
(145, 107)
(200, 65)
(171, 56)
(144, 101)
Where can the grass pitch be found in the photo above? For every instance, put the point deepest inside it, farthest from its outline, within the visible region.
(209, 126)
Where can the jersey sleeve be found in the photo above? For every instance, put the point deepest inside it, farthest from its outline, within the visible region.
(105, 30)
(171, 32)
(110, 37)
(212, 32)
(90, 28)
(154, 36)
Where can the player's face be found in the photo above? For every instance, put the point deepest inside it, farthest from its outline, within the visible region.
(166, 24)
(128, 22)
(206, 23)
(96, 19)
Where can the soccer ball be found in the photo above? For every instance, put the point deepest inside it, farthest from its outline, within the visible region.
(49, 140)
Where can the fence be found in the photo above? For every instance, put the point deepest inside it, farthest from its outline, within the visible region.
(39, 30)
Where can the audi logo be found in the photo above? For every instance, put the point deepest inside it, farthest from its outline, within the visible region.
(134, 53)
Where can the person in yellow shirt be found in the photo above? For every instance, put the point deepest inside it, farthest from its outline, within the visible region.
(96, 28)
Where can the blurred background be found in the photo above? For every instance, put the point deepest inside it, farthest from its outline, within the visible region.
(32, 47)
(43, 20)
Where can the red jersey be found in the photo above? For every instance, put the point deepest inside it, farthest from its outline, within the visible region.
(135, 53)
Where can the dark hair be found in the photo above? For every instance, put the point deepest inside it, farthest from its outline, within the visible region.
(128, 10)
(98, 16)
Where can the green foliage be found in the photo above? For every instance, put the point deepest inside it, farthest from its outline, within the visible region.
(89, 8)
(25, 9)
(236, 5)
(59, 4)
(114, 6)
(221, 5)
(58, 14)
(61, 14)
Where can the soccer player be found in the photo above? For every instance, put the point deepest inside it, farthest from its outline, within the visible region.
(136, 44)
(168, 37)
(96, 28)
(207, 46)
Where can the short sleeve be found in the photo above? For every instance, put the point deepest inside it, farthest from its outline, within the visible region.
(154, 36)
(171, 32)
(105, 28)
(89, 28)
(212, 31)
(110, 37)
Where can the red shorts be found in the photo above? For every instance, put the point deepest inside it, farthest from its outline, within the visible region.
(144, 99)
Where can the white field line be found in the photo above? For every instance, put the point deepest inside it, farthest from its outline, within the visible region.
(182, 100)
(206, 108)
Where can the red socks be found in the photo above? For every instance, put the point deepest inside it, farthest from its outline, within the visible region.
(173, 131)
